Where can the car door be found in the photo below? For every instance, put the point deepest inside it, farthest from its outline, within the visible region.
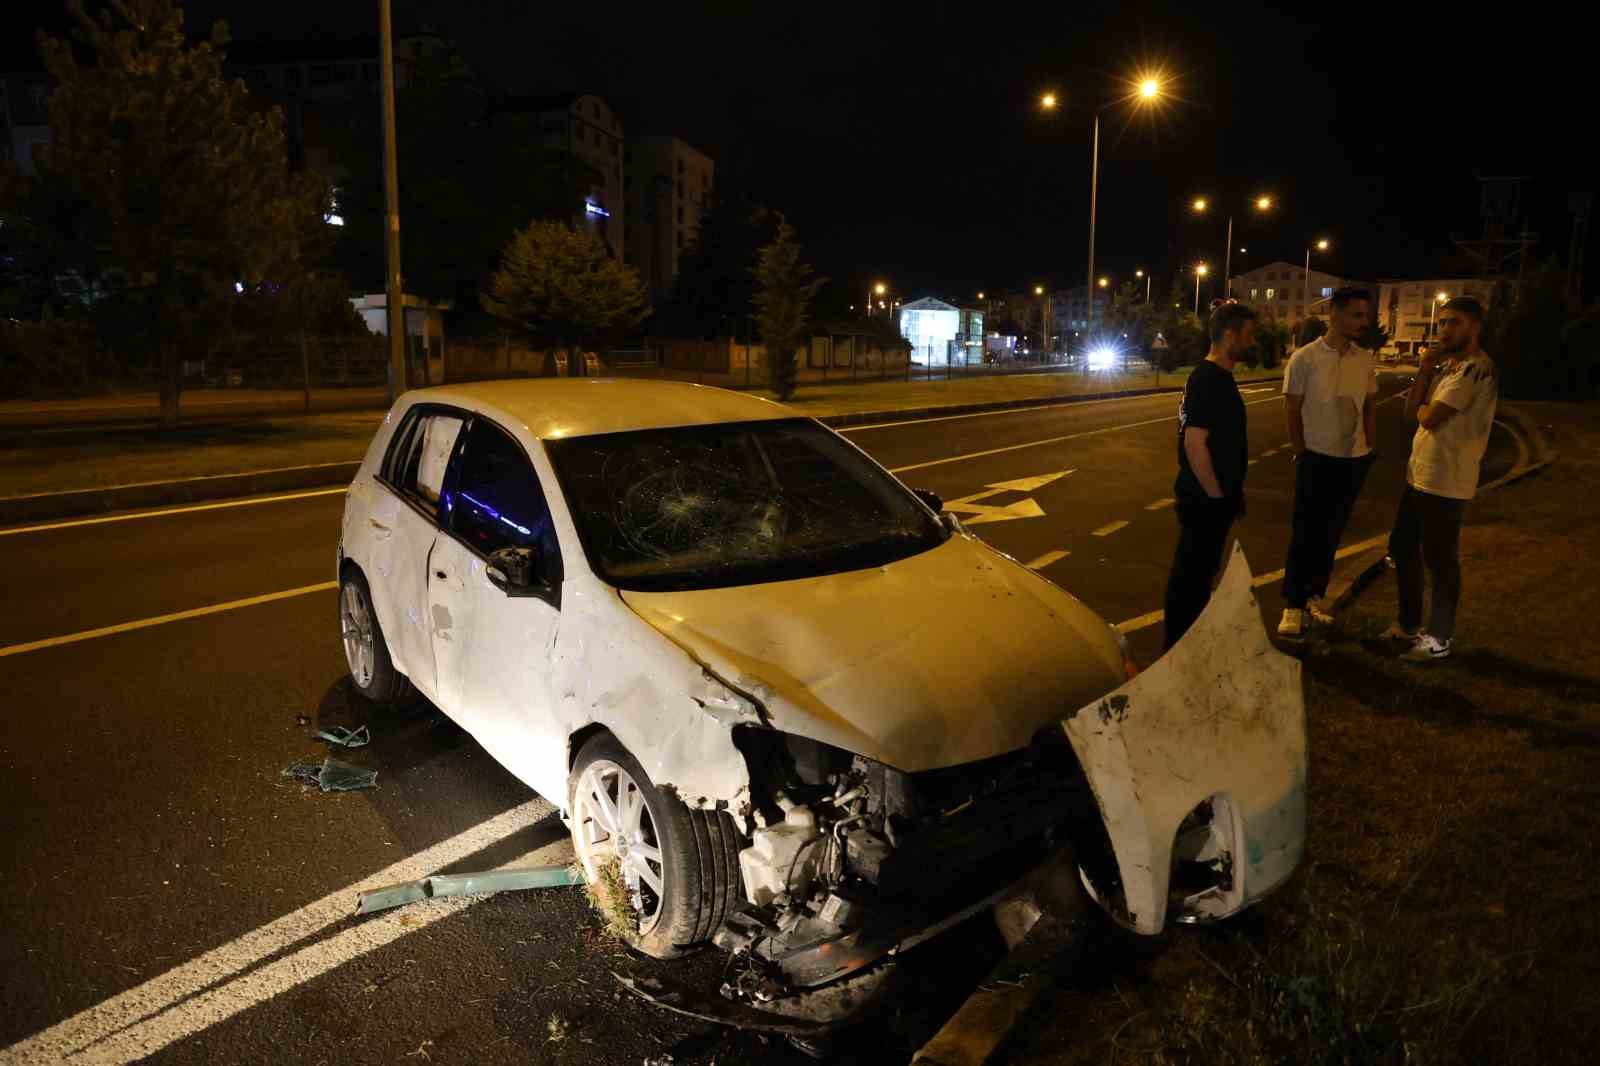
(492, 647)
(404, 523)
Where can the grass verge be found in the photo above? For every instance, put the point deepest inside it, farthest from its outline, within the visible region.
(1448, 908)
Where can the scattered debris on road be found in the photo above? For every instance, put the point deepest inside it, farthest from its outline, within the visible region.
(469, 884)
(331, 775)
(346, 738)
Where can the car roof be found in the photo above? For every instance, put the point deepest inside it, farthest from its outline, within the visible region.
(552, 408)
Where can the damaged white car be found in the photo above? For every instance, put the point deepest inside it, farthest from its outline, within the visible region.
(783, 701)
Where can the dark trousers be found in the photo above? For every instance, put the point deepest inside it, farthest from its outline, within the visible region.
(1325, 491)
(1203, 526)
(1427, 533)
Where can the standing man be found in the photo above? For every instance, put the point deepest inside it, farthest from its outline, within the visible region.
(1329, 390)
(1211, 463)
(1453, 401)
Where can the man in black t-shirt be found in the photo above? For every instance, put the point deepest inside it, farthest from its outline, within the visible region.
(1211, 463)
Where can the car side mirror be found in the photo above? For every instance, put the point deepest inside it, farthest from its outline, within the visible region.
(516, 571)
(931, 499)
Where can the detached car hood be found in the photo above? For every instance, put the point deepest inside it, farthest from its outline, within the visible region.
(947, 657)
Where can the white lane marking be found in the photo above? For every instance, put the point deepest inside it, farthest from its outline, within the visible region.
(168, 511)
(1047, 558)
(1030, 409)
(1144, 621)
(163, 619)
(1160, 505)
(1028, 507)
(1047, 440)
(1252, 462)
(119, 1018)
(1110, 528)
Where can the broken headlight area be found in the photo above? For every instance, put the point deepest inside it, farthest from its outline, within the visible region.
(851, 860)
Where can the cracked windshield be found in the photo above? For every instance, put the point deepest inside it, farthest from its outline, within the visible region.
(710, 506)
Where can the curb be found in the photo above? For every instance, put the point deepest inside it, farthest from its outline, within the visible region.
(18, 509)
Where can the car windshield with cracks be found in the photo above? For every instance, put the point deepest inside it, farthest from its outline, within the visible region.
(738, 503)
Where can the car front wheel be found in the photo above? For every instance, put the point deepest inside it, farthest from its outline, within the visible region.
(665, 875)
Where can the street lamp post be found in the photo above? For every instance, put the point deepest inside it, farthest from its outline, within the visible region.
(1200, 205)
(875, 290)
(1147, 90)
(1305, 282)
(1199, 272)
(1433, 306)
(1146, 277)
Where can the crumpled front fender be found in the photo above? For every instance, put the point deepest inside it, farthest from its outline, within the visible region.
(1218, 724)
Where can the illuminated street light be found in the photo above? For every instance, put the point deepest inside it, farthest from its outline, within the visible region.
(1432, 307)
(1199, 272)
(1104, 282)
(1263, 203)
(1147, 280)
(1146, 90)
(1305, 284)
(1200, 203)
(1038, 290)
(1199, 206)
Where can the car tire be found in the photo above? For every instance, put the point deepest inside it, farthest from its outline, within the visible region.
(698, 868)
(372, 672)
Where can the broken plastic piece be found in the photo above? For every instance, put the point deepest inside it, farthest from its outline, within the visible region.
(331, 775)
(475, 884)
(346, 738)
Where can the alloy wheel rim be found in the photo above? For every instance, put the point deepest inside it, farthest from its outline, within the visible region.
(356, 622)
(612, 823)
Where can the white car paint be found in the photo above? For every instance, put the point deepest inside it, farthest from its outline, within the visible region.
(942, 658)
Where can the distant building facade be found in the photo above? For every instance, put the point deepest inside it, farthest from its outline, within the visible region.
(1069, 309)
(1408, 308)
(1287, 293)
(942, 334)
(586, 126)
(668, 186)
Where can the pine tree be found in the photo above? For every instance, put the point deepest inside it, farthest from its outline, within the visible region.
(784, 291)
(190, 182)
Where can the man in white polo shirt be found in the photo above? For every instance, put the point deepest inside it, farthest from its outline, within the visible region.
(1453, 401)
(1328, 390)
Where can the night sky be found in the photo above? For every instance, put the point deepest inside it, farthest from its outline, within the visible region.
(904, 140)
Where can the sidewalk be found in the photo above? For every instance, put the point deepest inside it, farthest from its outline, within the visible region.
(51, 471)
(208, 404)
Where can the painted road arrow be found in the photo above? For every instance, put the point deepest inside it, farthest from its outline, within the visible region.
(1027, 507)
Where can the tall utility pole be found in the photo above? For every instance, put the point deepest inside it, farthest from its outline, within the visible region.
(1094, 192)
(394, 306)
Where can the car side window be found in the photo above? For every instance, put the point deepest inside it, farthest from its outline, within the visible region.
(496, 501)
(417, 459)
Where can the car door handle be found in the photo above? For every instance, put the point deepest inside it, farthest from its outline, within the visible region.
(441, 575)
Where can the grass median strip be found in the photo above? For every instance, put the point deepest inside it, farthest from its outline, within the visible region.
(163, 619)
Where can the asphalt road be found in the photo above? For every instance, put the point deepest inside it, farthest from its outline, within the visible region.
(164, 891)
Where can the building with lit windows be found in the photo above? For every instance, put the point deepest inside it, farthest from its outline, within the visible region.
(1285, 293)
(1407, 308)
(583, 125)
(942, 334)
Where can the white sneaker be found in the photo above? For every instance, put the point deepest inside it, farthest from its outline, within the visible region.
(1401, 634)
(1318, 614)
(1426, 649)
(1293, 624)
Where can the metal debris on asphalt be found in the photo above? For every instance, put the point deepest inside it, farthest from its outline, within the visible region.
(346, 738)
(471, 884)
(331, 775)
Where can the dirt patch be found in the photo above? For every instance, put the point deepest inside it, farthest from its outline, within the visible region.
(1448, 908)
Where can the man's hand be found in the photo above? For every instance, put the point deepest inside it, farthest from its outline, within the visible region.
(1429, 362)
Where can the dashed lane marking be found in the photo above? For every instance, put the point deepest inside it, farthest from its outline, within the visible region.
(1145, 621)
(1047, 558)
(1252, 462)
(1160, 505)
(1110, 528)
(163, 619)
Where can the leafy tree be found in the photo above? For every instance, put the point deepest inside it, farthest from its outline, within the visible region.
(471, 174)
(1373, 336)
(1272, 340)
(784, 291)
(1310, 330)
(191, 183)
(1132, 314)
(714, 277)
(563, 288)
(1528, 340)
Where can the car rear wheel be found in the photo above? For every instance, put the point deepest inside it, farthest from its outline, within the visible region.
(666, 875)
(372, 672)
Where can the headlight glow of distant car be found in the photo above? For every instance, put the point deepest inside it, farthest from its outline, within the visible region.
(1102, 358)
